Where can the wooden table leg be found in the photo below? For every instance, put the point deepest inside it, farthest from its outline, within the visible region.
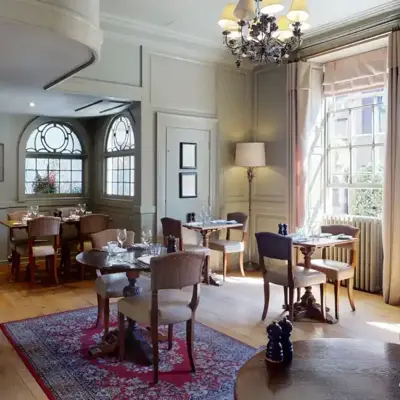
(212, 279)
(308, 306)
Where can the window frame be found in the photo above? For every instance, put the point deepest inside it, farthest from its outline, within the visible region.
(119, 153)
(81, 135)
(350, 146)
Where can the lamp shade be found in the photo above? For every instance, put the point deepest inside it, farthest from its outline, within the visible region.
(250, 155)
(299, 11)
(271, 6)
(285, 31)
(245, 10)
(228, 21)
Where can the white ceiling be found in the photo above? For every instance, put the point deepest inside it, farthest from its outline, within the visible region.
(199, 18)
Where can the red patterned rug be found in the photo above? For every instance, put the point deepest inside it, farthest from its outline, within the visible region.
(55, 349)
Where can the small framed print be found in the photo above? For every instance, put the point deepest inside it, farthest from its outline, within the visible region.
(187, 185)
(188, 155)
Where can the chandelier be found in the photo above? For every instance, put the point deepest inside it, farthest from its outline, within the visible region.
(251, 30)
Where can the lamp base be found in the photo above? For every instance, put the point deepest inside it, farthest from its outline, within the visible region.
(250, 266)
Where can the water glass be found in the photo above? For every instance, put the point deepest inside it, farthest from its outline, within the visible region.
(34, 211)
(24, 218)
(82, 208)
(121, 237)
(111, 247)
(155, 249)
(72, 214)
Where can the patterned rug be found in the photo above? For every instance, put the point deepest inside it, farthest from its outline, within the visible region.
(55, 350)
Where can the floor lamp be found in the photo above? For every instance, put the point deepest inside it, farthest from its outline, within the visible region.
(250, 156)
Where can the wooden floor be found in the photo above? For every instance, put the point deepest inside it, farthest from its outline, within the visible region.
(234, 309)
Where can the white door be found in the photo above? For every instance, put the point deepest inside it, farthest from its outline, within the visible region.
(186, 165)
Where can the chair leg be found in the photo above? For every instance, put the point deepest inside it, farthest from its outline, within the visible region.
(17, 266)
(225, 263)
(189, 342)
(154, 340)
(206, 271)
(285, 296)
(170, 335)
(100, 310)
(291, 304)
(322, 288)
(53, 263)
(121, 336)
(298, 294)
(13, 266)
(266, 300)
(32, 267)
(241, 255)
(336, 289)
(350, 284)
(106, 316)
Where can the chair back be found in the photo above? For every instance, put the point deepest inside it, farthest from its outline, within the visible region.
(100, 239)
(63, 212)
(171, 226)
(93, 223)
(16, 215)
(241, 218)
(176, 270)
(17, 234)
(43, 226)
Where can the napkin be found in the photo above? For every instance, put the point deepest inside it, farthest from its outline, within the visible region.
(116, 249)
(145, 259)
(139, 246)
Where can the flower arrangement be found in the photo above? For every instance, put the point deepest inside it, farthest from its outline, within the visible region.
(45, 184)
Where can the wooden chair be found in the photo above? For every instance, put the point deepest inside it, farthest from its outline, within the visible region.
(166, 304)
(16, 237)
(41, 227)
(171, 226)
(278, 247)
(232, 246)
(111, 286)
(89, 224)
(340, 271)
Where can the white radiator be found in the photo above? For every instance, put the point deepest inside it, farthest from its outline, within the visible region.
(368, 274)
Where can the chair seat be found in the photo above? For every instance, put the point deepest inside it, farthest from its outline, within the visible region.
(112, 285)
(173, 307)
(302, 277)
(37, 251)
(334, 270)
(227, 246)
(197, 248)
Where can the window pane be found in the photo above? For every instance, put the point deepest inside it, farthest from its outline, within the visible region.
(120, 176)
(121, 135)
(339, 201)
(120, 189)
(126, 163)
(30, 163)
(77, 165)
(338, 128)
(76, 187)
(28, 188)
(76, 176)
(42, 163)
(54, 164)
(115, 162)
(30, 176)
(115, 176)
(109, 188)
(132, 189)
(126, 189)
(362, 169)
(366, 202)
(65, 165)
(379, 164)
(339, 163)
(120, 162)
(114, 188)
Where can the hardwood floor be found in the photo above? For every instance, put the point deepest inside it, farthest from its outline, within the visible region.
(234, 309)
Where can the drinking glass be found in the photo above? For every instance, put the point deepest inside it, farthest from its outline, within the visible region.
(111, 246)
(35, 211)
(83, 208)
(29, 212)
(202, 215)
(209, 213)
(121, 237)
(72, 213)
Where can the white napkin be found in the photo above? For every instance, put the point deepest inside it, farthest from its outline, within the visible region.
(139, 246)
(193, 223)
(145, 259)
(116, 249)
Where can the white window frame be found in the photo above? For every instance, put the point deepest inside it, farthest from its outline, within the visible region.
(119, 153)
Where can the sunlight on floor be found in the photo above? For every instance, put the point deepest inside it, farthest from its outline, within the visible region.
(388, 327)
(245, 280)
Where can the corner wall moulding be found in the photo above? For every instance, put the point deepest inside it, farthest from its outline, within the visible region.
(251, 30)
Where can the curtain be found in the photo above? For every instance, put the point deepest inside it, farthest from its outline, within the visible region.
(305, 117)
(391, 212)
(363, 71)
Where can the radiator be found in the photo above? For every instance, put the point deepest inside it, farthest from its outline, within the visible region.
(368, 274)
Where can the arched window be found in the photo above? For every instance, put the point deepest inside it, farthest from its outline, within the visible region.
(120, 158)
(53, 160)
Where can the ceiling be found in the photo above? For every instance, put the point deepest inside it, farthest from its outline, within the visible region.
(198, 19)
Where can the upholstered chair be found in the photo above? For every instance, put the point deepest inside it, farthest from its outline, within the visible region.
(171, 226)
(17, 236)
(166, 304)
(337, 271)
(111, 285)
(42, 227)
(229, 246)
(274, 247)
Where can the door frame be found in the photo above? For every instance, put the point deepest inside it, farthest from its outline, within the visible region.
(165, 121)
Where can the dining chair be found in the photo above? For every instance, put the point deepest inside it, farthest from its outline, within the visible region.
(17, 236)
(111, 286)
(89, 224)
(166, 304)
(40, 228)
(338, 271)
(277, 247)
(173, 227)
(229, 246)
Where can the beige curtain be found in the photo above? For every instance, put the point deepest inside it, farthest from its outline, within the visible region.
(391, 219)
(305, 101)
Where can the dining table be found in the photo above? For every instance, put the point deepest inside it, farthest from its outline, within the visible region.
(325, 369)
(133, 262)
(205, 229)
(308, 307)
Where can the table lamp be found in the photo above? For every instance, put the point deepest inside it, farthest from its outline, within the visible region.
(250, 156)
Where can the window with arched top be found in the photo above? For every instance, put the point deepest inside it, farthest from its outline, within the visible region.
(120, 158)
(53, 160)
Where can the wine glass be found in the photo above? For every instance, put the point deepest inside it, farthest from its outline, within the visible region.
(29, 212)
(35, 211)
(121, 237)
(83, 208)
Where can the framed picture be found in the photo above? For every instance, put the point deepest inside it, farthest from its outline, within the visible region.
(187, 185)
(188, 155)
(1, 162)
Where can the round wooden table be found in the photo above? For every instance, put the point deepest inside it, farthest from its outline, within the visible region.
(325, 369)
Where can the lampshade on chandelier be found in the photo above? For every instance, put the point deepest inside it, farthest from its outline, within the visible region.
(251, 30)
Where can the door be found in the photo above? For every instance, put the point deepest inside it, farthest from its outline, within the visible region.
(186, 165)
